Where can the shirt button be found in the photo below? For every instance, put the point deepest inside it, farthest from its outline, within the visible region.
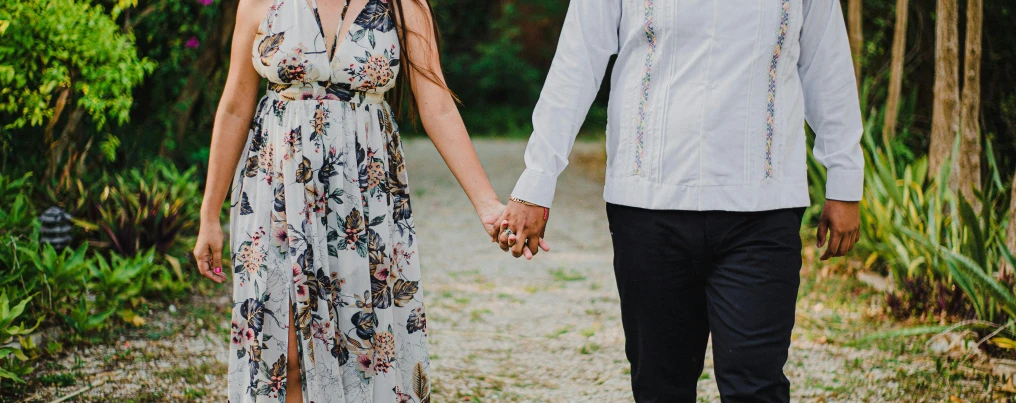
(711, 85)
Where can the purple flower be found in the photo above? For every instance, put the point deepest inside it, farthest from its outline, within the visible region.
(192, 43)
(206, 2)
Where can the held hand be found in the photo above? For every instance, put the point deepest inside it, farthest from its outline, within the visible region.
(208, 251)
(527, 225)
(489, 218)
(839, 224)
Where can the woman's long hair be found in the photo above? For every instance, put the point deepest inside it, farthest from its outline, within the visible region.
(401, 98)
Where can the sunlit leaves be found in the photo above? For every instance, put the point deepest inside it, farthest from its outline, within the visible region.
(65, 44)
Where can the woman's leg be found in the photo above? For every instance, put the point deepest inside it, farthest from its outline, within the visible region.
(294, 388)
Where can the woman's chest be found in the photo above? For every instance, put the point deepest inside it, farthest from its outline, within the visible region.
(290, 47)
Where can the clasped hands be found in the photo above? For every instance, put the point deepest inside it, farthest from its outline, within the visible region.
(518, 228)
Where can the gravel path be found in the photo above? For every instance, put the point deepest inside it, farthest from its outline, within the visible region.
(502, 329)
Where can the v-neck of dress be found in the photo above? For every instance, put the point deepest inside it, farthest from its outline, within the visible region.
(337, 42)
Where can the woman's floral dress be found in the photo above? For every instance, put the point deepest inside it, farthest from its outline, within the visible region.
(321, 225)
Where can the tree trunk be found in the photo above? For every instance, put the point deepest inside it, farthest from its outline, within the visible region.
(856, 35)
(892, 108)
(968, 175)
(62, 142)
(945, 111)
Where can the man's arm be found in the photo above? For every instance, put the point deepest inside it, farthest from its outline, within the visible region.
(588, 39)
(832, 110)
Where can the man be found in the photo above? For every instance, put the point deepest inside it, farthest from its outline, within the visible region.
(706, 174)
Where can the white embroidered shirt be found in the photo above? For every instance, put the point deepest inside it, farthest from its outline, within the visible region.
(708, 103)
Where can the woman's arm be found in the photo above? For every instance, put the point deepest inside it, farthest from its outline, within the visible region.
(441, 117)
(229, 134)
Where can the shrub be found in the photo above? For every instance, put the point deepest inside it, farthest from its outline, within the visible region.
(17, 215)
(59, 55)
(13, 361)
(153, 207)
(80, 289)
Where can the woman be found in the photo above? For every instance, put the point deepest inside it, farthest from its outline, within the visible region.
(326, 277)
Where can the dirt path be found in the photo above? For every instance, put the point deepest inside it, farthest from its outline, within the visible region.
(502, 329)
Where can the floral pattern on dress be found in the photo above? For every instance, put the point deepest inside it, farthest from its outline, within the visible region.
(321, 225)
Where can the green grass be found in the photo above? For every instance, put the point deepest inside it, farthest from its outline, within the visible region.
(62, 379)
(194, 394)
(476, 315)
(560, 274)
(560, 332)
(589, 348)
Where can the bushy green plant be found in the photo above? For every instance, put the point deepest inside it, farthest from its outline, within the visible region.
(59, 275)
(17, 215)
(66, 71)
(85, 317)
(119, 279)
(149, 208)
(13, 361)
(920, 230)
(50, 45)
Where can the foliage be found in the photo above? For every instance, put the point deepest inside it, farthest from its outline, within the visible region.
(59, 275)
(172, 111)
(17, 215)
(147, 208)
(8, 331)
(929, 239)
(56, 44)
(81, 290)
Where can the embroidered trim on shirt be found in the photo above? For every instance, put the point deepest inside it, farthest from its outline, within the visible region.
(646, 76)
(771, 107)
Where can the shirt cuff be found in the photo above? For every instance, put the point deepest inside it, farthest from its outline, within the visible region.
(536, 187)
(845, 185)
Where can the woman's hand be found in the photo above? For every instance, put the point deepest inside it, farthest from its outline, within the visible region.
(208, 251)
(488, 216)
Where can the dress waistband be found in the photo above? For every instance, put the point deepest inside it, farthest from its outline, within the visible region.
(322, 91)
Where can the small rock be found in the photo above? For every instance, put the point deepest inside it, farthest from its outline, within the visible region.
(873, 280)
(956, 345)
(172, 308)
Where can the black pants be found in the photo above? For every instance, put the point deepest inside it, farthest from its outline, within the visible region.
(682, 275)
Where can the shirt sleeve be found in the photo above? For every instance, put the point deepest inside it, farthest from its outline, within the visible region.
(588, 39)
(830, 98)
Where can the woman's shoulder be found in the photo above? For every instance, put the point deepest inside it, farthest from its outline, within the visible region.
(250, 13)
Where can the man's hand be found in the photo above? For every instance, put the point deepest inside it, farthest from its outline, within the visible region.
(840, 224)
(527, 225)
